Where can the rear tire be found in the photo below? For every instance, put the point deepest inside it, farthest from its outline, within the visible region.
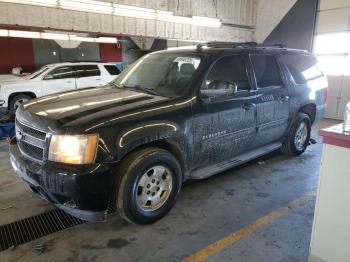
(299, 136)
(148, 183)
(17, 100)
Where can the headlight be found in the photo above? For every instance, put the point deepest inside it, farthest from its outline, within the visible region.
(73, 149)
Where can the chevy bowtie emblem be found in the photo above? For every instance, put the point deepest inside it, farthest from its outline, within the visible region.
(19, 135)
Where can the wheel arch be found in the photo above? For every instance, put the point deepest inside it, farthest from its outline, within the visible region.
(12, 95)
(166, 144)
(310, 110)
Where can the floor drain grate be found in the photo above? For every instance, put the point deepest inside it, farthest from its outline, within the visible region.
(34, 227)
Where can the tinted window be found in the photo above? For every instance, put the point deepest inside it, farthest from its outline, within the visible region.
(112, 70)
(266, 71)
(227, 74)
(301, 67)
(62, 72)
(164, 73)
(87, 70)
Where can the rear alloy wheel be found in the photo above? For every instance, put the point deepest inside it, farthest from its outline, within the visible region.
(148, 183)
(299, 136)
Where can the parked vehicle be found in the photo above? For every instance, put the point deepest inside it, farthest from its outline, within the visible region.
(56, 78)
(171, 116)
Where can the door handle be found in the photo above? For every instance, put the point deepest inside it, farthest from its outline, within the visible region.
(247, 106)
(283, 98)
(69, 82)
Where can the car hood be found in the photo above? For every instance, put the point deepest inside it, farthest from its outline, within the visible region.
(86, 106)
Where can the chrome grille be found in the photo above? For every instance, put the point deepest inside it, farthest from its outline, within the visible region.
(31, 131)
(31, 142)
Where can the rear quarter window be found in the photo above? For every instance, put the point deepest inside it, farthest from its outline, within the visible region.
(302, 67)
(266, 70)
(112, 70)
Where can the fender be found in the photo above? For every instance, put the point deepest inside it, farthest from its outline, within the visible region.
(159, 131)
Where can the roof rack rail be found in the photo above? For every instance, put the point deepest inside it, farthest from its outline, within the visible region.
(237, 44)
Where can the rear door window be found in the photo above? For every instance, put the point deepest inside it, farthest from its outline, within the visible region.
(112, 70)
(302, 67)
(87, 70)
(266, 71)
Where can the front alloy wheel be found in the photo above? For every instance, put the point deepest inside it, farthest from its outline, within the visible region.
(148, 183)
(154, 188)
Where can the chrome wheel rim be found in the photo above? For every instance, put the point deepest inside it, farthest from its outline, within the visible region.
(301, 136)
(154, 188)
(19, 102)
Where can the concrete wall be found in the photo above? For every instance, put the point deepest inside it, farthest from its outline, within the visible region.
(268, 15)
(233, 13)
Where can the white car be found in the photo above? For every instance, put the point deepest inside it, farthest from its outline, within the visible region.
(55, 78)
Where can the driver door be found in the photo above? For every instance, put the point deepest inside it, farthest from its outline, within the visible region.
(225, 121)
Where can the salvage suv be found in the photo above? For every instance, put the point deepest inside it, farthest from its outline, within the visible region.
(172, 115)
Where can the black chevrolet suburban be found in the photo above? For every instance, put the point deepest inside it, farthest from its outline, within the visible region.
(172, 115)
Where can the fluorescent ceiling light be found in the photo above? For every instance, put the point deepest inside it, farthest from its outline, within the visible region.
(133, 11)
(80, 38)
(49, 3)
(111, 40)
(54, 36)
(24, 34)
(87, 5)
(4, 32)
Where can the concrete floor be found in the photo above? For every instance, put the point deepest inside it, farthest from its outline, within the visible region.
(206, 212)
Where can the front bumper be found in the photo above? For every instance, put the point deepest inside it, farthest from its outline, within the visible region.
(83, 191)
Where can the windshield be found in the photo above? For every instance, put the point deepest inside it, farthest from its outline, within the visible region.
(38, 72)
(164, 74)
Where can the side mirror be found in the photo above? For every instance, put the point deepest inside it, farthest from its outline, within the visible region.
(48, 77)
(224, 86)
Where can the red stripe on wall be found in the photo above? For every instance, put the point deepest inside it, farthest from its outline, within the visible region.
(111, 53)
(16, 52)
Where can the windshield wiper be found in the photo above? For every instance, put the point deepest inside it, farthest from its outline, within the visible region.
(143, 89)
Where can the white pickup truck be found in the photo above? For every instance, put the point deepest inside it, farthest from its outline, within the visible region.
(55, 78)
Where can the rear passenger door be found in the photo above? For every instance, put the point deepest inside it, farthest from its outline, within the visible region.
(272, 102)
(88, 76)
(224, 121)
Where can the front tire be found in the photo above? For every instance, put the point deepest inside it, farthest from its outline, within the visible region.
(149, 181)
(299, 136)
(17, 100)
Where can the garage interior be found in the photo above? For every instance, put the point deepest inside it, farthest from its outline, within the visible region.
(263, 210)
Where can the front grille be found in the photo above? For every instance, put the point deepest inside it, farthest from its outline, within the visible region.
(31, 131)
(31, 142)
(30, 150)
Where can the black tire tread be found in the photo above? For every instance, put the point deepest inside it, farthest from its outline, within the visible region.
(288, 147)
(128, 164)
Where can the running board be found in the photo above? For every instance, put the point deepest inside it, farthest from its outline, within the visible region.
(208, 171)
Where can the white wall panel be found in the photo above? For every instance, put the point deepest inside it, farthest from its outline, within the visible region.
(335, 20)
(331, 4)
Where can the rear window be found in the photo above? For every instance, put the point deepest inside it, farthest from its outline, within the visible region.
(266, 71)
(87, 70)
(302, 67)
(112, 70)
